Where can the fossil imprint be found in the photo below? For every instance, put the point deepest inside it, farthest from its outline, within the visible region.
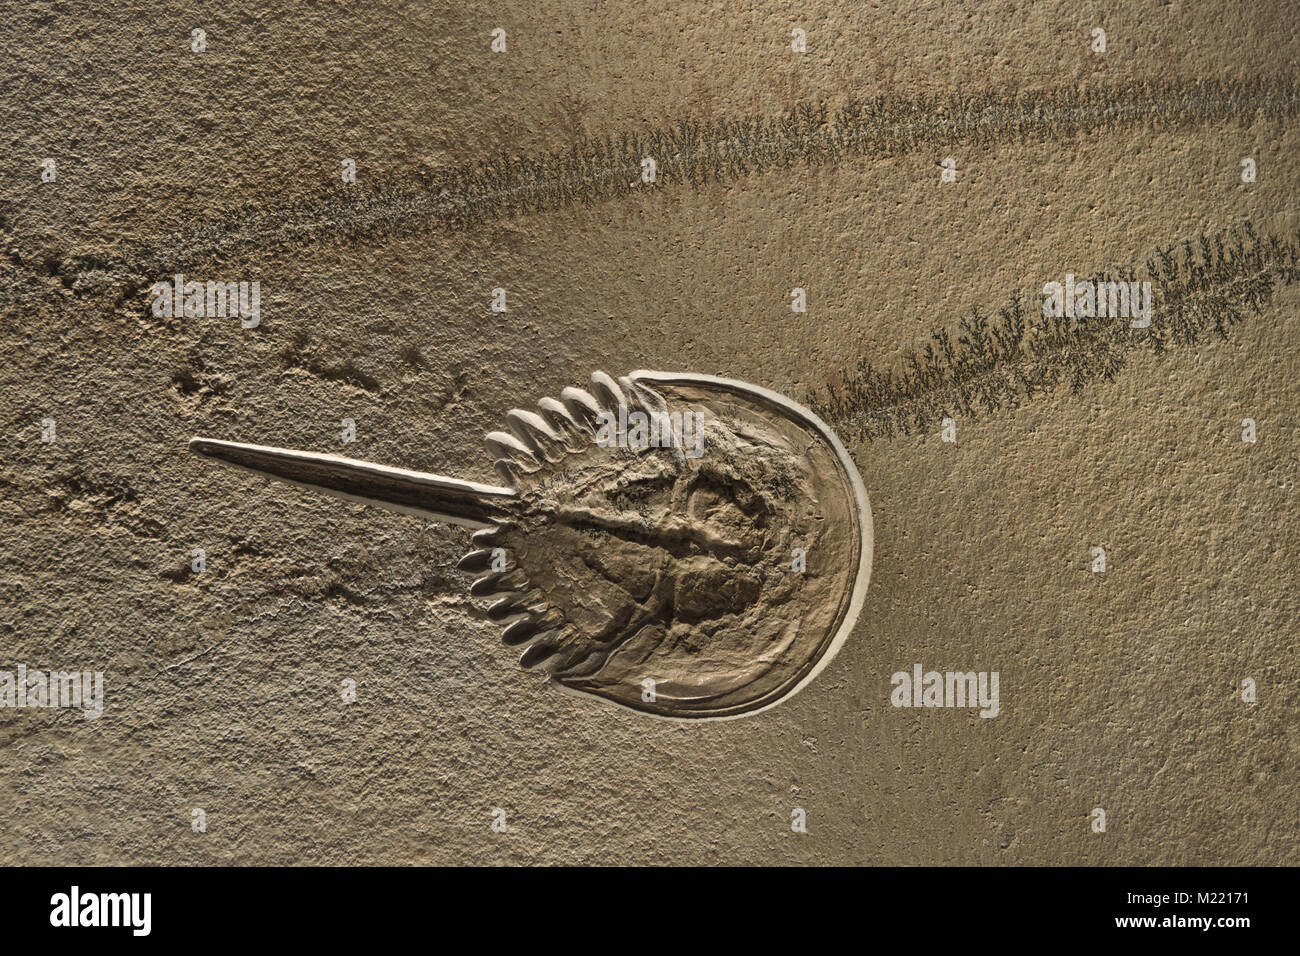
(686, 581)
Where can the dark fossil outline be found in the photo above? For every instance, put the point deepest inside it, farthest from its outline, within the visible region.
(1203, 287)
(690, 152)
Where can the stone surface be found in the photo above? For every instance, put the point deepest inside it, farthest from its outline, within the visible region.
(1119, 690)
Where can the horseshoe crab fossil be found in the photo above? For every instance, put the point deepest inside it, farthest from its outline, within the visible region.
(691, 577)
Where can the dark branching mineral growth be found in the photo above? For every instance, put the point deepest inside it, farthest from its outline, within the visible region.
(1201, 287)
(691, 581)
(694, 153)
(670, 584)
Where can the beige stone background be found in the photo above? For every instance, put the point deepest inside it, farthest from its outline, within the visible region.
(1118, 690)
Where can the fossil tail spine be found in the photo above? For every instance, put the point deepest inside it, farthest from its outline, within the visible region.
(439, 498)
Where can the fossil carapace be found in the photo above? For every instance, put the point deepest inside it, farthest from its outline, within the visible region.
(686, 546)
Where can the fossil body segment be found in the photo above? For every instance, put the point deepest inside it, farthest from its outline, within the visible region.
(682, 545)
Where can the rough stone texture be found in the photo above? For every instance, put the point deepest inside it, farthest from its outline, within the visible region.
(223, 689)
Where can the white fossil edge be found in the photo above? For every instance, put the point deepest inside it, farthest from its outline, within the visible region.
(865, 528)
